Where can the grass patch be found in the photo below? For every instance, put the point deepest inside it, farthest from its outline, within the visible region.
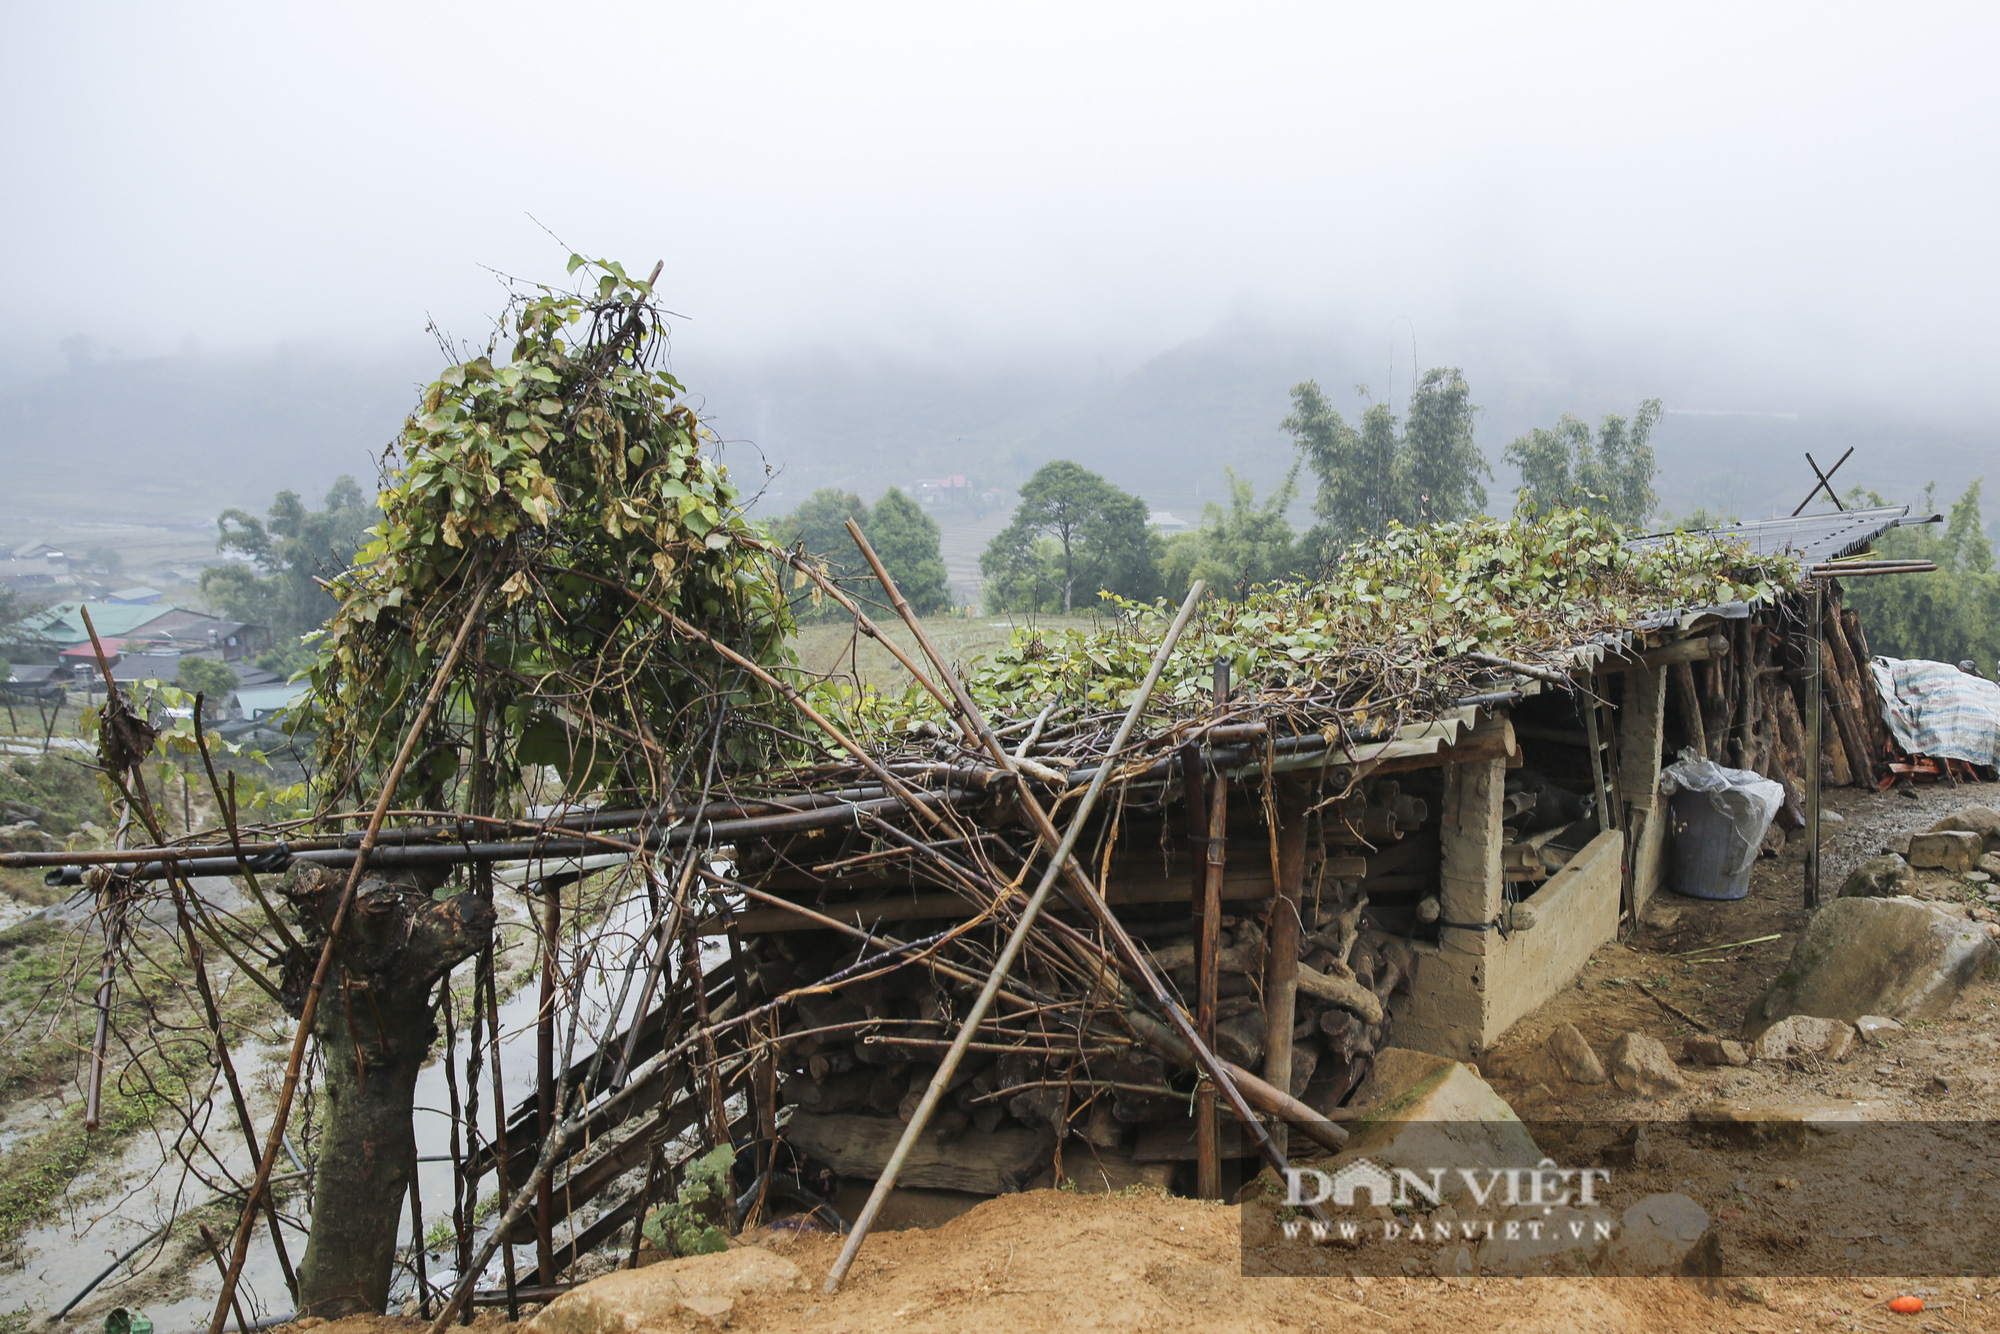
(833, 648)
(62, 789)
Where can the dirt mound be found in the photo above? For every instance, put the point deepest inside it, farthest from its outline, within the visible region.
(1056, 1260)
(1060, 1261)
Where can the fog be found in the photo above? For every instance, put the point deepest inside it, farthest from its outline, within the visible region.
(1770, 209)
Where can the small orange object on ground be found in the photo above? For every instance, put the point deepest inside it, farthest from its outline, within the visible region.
(1907, 1305)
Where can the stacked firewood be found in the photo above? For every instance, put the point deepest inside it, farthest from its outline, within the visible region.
(857, 1057)
(1746, 708)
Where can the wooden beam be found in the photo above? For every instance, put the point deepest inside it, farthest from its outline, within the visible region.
(1695, 649)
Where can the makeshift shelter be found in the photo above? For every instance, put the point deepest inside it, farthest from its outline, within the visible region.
(1131, 905)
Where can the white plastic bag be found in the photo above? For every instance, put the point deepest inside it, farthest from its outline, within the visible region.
(1748, 800)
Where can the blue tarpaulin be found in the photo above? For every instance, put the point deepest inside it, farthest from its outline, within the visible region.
(1935, 709)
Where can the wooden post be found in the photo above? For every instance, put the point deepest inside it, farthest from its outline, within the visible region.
(1208, 1148)
(545, 1080)
(1194, 794)
(1600, 781)
(1281, 959)
(1814, 709)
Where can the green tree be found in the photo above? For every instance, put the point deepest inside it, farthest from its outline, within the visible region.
(1424, 470)
(1238, 548)
(1945, 616)
(213, 680)
(1073, 535)
(819, 524)
(906, 539)
(1613, 474)
(1440, 465)
(294, 551)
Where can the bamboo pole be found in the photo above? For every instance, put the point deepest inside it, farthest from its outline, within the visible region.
(545, 1076)
(1058, 859)
(1814, 708)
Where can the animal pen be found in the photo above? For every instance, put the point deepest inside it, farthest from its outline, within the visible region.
(1131, 907)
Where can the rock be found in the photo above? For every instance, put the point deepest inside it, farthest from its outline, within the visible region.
(1876, 1027)
(1978, 877)
(1953, 850)
(1804, 1035)
(1535, 1098)
(1896, 957)
(1660, 915)
(709, 1310)
(25, 837)
(1418, 1111)
(1455, 1262)
(1634, 1148)
(1704, 1049)
(1990, 863)
(1537, 1241)
(1779, 1123)
(1981, 820)
(1640, 1064)
(1663, 1235)
(662, 1296)
(1880, 877)
(1563, 1055)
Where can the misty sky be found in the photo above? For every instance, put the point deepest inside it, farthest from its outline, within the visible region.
(1810, 188)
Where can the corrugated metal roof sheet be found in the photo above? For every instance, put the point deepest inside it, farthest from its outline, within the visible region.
(1812, 537)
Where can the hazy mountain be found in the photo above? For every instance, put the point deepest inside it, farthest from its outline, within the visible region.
(178, 438)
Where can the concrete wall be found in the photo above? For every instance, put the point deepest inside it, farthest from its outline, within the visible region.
(1473, 985)
(1445, 1012)
(1576, 910)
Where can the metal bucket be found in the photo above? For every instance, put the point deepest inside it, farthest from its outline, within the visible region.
(1709, 840)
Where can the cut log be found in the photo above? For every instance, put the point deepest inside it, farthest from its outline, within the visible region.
(1871, 694)
(1843, 692)
(1691, 733)
(1345, 992)
(1259, 1096)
